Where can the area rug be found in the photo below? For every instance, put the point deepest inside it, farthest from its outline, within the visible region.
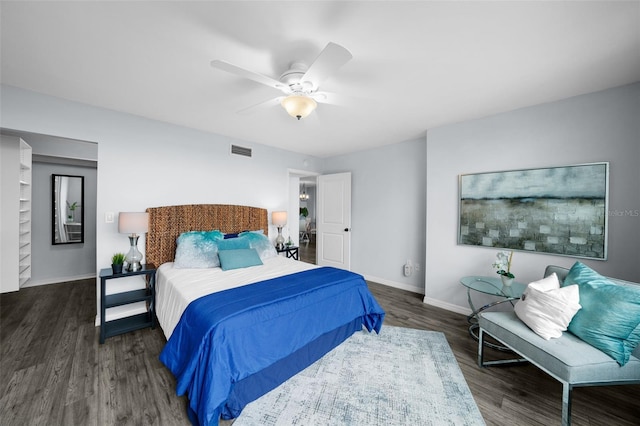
(400, 377)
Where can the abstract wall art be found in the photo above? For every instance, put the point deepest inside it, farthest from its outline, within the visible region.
(557, 210)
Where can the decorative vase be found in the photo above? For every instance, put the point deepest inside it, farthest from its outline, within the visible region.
(117, 269)
(506, 281)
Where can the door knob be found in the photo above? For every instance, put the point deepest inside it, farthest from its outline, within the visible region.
(346, 229)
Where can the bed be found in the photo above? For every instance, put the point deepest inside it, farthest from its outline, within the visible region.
(235, 334)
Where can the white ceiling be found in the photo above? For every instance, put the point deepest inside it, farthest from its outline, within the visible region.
(416, 65)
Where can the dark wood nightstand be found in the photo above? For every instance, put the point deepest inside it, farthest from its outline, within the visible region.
(291, 252)
(134, 322)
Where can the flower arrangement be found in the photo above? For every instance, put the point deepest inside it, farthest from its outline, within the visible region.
(503, 263)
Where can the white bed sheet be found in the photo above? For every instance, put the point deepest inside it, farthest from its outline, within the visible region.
(176, 288)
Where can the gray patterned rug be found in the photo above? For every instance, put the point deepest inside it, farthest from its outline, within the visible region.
(400, 377)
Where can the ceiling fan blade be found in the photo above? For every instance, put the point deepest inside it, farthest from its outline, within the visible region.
(262, 105)
(332, 57)
(234, 69)
(329, 98)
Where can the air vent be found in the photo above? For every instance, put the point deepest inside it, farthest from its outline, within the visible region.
(240, 150)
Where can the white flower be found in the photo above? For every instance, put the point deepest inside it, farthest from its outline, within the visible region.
(502, 259)
(503, 262)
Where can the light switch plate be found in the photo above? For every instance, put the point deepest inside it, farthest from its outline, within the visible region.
(109, 217)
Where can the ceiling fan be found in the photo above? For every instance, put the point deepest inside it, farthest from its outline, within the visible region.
(300, 83)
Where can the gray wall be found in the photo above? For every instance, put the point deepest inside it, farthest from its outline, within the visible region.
(601, 126)
(389, 193)
(62, 262)
(388, 211)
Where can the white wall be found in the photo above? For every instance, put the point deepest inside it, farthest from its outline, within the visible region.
(388, 211)
(144, 163)
(602, 126)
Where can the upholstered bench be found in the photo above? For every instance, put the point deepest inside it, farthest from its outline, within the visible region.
(568, 359)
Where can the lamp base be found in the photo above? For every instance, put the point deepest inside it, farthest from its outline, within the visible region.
(135, 266)
(279, 239)
(134, 256)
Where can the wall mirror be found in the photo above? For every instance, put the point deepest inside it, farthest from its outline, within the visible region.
(67, 195)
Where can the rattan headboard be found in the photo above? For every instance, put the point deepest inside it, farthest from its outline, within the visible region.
(167, 223)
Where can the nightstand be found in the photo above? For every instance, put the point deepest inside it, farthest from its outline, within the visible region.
(134, 322)
(290, 251)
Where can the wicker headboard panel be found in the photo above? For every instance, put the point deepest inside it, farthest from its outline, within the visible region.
(167, 223)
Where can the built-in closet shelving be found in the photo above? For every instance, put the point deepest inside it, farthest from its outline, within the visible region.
(25, 214)
(15, 217)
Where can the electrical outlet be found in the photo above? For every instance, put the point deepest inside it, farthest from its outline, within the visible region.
(408, 269)
(109, 217)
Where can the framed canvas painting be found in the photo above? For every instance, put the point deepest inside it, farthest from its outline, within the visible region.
(556, 210)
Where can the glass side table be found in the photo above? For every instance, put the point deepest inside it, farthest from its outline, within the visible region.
(494, 287)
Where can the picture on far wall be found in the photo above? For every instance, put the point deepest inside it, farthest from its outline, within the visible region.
(557, 210)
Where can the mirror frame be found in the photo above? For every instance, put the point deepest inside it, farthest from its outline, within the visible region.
(58, 225)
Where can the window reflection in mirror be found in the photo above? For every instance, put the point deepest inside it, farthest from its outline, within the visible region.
(67, 209)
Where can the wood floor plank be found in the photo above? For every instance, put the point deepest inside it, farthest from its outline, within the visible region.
(53, 370)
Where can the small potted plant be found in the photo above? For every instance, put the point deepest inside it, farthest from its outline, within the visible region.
(503, 265)
(117, 261)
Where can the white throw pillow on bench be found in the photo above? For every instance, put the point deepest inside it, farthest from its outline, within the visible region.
(546, 308)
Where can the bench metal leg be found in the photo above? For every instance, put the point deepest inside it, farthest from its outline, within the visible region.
(482, 363)
(567, 388)
(481, 348)
(566, 404)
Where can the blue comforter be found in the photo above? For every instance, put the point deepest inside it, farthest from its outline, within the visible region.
(233, 346)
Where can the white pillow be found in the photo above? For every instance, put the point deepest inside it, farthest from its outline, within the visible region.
(197, 249)
(546, 308)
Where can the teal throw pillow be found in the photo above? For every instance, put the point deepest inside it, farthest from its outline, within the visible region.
(241, 258)
(260, 242)
(233, 244)
(610, 316)
(197, 249)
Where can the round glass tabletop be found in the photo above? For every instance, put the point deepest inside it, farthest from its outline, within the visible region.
(494, 286)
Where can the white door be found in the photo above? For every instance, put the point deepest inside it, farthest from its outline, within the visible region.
(333, 224)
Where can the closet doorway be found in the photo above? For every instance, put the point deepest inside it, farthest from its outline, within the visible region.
(307, 219)
(303, 211)
(54, 155)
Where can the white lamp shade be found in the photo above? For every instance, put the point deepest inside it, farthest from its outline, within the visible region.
(133, 222)
(279, 218)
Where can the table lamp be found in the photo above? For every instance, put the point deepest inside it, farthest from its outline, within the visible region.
(133, 223)
(279, 219)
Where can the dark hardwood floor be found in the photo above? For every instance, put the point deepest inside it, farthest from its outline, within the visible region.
(307, 252)
(53, 371)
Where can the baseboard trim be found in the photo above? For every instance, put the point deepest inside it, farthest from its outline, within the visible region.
(447, 306)
(411, 288)
(35, 283)
(426, 300)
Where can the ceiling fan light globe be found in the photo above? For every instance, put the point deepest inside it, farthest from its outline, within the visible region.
(298, 106)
